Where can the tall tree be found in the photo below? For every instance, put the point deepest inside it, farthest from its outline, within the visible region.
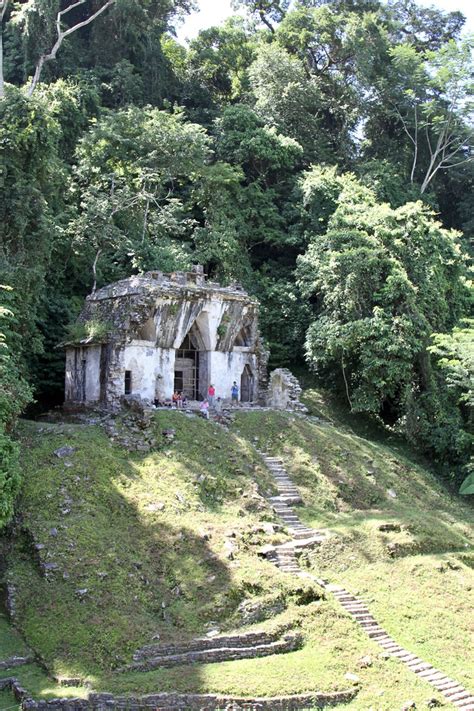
(435, 107)
(381, 282)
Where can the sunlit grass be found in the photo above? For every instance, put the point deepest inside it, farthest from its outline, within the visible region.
(145, 537)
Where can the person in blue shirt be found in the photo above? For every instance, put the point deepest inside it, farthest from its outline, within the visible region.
(234, 391)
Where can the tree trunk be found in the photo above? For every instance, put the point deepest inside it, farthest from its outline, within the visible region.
(48, 56)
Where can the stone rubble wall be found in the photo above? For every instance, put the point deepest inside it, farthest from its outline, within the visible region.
(284, 391)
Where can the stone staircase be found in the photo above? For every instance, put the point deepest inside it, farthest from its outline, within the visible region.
(285, 557)
(223, 648)
(288, 496)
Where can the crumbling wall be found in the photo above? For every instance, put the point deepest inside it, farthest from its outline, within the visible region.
(82, 379)
(284, 391)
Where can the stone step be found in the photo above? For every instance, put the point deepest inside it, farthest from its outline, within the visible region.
(244, 639)
(446, 684)
(376, 633)
(299, 528)
(404, 656)
(366, 621)
(301, 535)
(390, 646)
(286, 565)
(288, 643)
(452, 693)
(431, 674)
(462, 695)
(419, 666)
(285, 500)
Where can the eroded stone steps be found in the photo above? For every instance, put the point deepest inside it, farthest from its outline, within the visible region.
(287, 562)
(288, 643)
(245, 639)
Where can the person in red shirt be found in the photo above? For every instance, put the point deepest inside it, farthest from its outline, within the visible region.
(211, 395)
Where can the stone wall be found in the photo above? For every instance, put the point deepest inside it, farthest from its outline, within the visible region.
(179, 702)
(284, 391)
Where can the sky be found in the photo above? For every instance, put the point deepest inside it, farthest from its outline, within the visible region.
(213, 12)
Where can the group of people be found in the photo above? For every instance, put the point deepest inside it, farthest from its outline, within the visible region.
(179, 400)
(211, 402)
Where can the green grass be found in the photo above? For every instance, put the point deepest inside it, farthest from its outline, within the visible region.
(11, 644)
(146, 533)
(333, 647)
(418, 580)
(135, 539)
(31, 676)
(7, 702)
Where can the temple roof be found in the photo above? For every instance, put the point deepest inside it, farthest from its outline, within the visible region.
(174, 283)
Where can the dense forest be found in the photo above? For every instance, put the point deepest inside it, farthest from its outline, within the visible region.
(319, 154)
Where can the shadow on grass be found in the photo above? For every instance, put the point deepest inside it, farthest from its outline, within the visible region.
(121, 568)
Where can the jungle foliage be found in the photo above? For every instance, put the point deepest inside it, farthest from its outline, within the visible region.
(319, 154)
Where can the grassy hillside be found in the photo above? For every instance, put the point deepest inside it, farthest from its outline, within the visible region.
(121, 548)
(398, 537)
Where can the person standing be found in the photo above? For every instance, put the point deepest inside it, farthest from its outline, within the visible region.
(234, 391)
(211, 395)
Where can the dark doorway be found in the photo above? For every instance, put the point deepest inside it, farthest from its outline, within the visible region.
(128, 382)
(246, 385)
(178, 381)
(83, 379)
(103, 372)
(186, 371)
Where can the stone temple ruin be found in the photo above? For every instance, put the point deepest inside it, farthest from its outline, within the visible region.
(155, 333)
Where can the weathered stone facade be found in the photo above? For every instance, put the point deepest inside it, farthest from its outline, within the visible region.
(155, 333)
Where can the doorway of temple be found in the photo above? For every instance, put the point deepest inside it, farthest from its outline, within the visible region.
(186, 369)
(247, 385)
